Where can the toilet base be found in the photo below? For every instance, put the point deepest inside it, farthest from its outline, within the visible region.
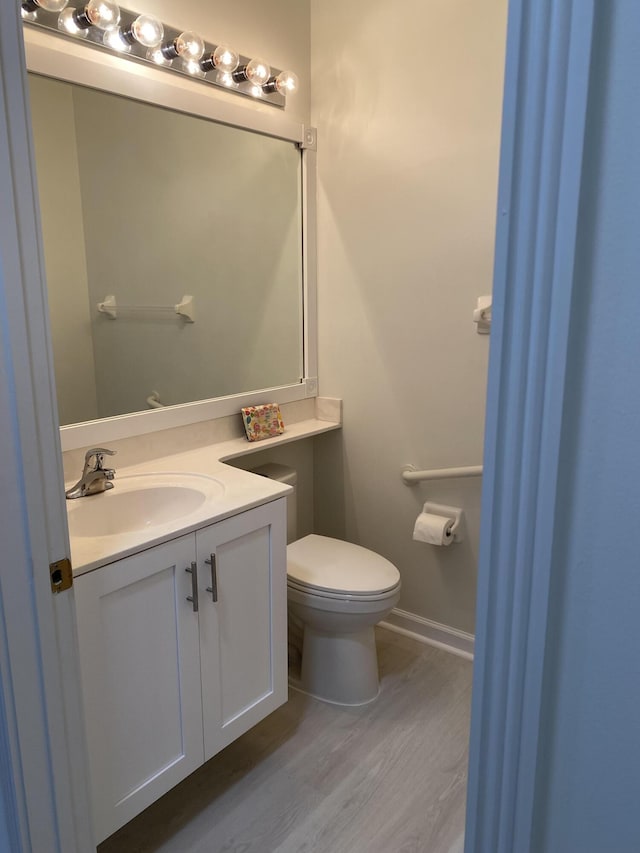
(340, 668)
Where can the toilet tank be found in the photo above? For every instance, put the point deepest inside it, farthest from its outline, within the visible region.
(289, 476)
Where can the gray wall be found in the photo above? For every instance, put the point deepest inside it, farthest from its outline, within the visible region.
(54, 138)
(177, 205)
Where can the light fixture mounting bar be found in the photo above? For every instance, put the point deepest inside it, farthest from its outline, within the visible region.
(93, 37)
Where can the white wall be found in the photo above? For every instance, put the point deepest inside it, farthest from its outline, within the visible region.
(408, 162)
(64, 248)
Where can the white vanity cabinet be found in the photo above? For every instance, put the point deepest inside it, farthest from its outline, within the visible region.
(165, 686)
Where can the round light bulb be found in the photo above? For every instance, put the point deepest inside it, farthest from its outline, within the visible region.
(156, 55)
(47, 5)
(257, 72)
(115, 40)
(192, 66)
(147, 31)
(189, 45)
(225, 58)
(286, 82)
(102, 14)
(67, 24)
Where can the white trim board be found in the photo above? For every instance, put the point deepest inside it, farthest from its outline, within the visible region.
(431, 633)
(41, 721)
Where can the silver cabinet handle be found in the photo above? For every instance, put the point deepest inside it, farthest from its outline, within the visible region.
(193, 598)
(213, 589)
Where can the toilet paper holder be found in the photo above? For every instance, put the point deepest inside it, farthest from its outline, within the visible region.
(454, 512)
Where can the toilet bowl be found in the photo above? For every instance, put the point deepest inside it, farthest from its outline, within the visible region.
(336, 593)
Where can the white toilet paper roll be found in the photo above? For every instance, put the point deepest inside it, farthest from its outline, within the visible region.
(433, 529)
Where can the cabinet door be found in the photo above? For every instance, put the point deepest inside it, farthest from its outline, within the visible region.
(243, 635)
(139, 657)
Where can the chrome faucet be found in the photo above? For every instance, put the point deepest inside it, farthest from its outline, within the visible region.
(95, 478)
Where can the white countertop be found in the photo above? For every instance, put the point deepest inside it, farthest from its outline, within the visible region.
(242, 491)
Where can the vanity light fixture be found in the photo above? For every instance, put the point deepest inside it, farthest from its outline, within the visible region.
(143, 38)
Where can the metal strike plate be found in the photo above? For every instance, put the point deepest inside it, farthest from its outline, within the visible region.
(61, 575)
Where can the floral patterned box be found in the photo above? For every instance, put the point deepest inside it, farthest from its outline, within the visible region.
(262, 421)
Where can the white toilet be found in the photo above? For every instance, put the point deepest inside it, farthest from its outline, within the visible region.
(336, 593)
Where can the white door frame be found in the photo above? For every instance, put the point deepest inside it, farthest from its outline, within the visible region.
(544, 118)
(46, 782)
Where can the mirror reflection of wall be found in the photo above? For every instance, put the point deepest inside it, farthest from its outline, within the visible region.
(150, 205)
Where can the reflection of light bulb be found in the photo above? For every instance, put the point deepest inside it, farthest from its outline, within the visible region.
(48, 5)
(28, 16)
(146, 30)
(192, 66)
(67, 24)
(156, 55)
(102, 14)
(115, 40)
(257, 72)
(256, 91)
(188, 45)
(225, 78)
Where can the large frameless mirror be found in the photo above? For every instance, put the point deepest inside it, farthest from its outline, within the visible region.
(173, 252)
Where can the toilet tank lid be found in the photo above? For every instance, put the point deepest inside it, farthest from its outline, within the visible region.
(338, 566)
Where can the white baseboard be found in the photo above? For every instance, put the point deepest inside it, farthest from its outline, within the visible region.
(432, 633)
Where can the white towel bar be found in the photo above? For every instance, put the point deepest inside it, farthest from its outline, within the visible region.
(410, 475)
(184, 309)
(154, 402)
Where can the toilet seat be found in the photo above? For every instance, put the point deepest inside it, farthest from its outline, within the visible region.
(341, 596)
(331, 568)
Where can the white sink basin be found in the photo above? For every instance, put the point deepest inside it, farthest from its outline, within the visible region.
(140, 503)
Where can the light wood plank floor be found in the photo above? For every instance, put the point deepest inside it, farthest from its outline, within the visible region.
(389, 777)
